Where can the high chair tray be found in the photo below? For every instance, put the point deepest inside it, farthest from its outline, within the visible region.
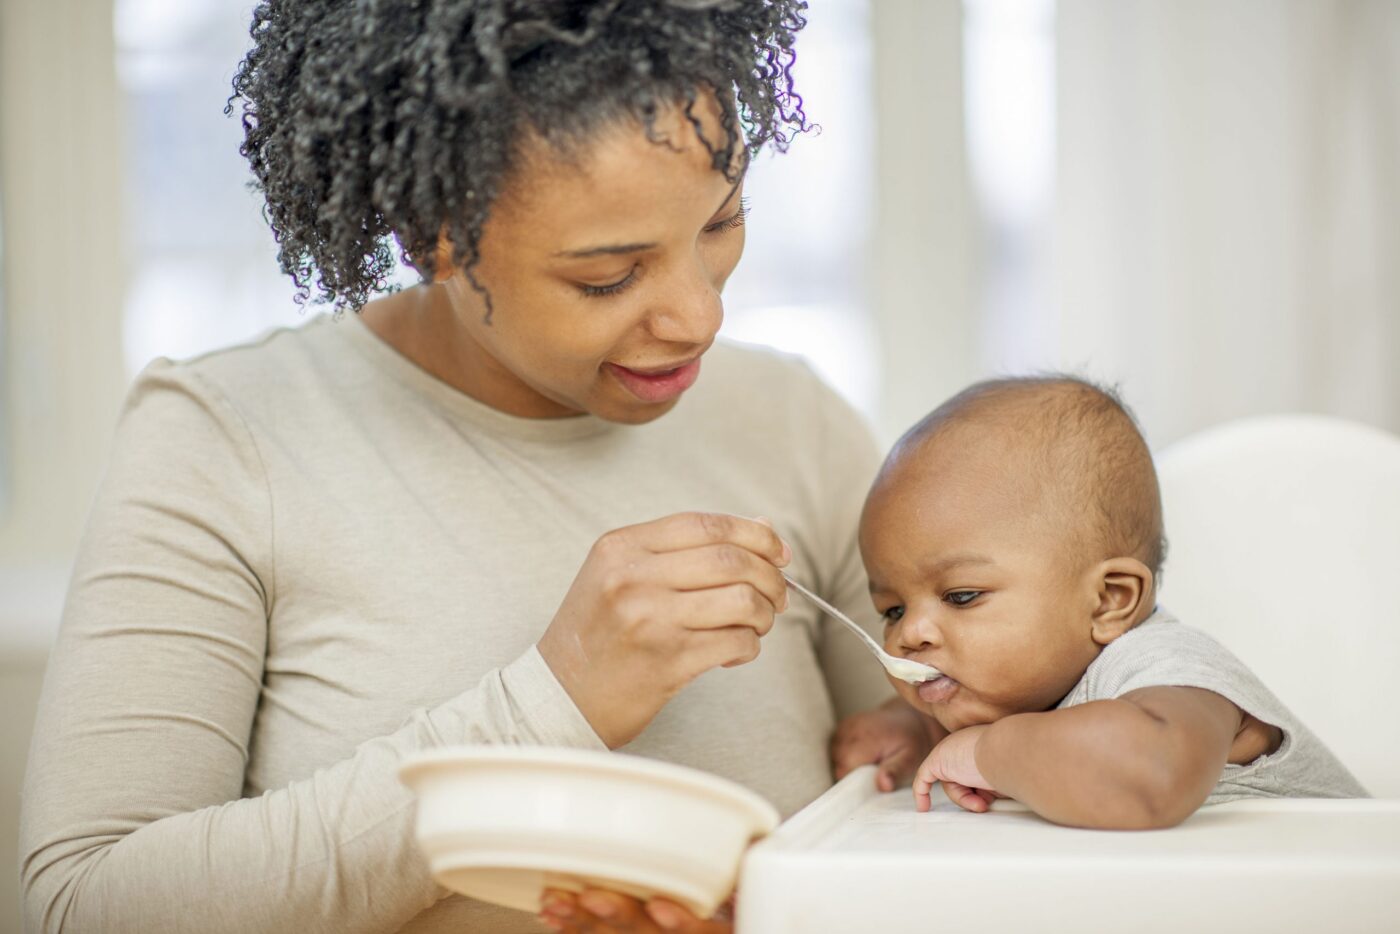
(857, 860)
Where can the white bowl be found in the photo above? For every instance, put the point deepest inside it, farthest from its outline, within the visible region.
(502, 823)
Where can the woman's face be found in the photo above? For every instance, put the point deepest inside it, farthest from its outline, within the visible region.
(604, 271)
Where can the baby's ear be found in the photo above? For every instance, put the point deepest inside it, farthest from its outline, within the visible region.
(1124, 584)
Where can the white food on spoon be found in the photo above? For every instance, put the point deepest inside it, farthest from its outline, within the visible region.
(905, 669)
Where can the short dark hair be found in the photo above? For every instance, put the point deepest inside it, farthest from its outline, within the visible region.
(376, 119)
(1087, 437)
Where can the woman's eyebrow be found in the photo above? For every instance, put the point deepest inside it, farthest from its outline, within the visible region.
(606, 250)
(621, 248)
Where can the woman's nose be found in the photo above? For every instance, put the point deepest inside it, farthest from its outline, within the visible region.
(690, 312)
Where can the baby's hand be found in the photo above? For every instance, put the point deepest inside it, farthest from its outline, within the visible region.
(954, 763)
(894, 737)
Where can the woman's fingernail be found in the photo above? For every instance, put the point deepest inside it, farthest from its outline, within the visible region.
(665, 916)
(600, 905)
(787, 553)
(559, 907)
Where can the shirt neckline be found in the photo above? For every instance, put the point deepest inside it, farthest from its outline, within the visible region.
(455, 402)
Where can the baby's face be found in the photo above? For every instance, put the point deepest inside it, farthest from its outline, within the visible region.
(971, 578)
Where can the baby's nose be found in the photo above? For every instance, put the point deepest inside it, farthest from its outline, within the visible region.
(915, 632)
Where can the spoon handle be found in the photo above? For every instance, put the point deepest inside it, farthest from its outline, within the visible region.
(837, 615)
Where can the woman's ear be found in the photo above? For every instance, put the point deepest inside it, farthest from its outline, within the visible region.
(1124, 585)
(443, 268)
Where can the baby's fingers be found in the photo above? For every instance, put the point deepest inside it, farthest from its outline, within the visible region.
(923, 784)
(969, 799)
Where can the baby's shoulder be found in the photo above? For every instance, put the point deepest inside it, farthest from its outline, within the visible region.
(1160, 651)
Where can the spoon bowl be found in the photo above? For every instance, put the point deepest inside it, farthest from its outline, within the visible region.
(902, 668)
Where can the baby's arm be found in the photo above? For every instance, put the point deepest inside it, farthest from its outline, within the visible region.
(1144, 760)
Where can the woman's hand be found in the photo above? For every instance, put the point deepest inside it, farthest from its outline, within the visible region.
(657, 604)
(954, 763)
(597, 911)
(894, 736)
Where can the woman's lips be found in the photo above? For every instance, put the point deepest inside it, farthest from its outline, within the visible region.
(657, 386)
(938, 690)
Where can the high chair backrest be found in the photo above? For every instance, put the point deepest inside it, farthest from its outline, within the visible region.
(1285, 545)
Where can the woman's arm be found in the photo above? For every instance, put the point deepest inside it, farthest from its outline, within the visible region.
(1144, 760)
(133, 818)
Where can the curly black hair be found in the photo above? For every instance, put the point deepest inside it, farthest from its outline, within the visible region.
(370, 120)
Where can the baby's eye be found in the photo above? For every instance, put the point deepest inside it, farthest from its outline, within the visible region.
(961, 597)
(893, 615)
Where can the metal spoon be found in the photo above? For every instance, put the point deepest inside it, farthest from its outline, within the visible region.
(902, 668)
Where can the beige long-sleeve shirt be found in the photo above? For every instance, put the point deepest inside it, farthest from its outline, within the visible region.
(309, 559)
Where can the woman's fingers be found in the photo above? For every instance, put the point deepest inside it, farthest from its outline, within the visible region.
(594, 911)
(727, 647)
(654, 606)
(671, 917)
(688, 530)
(719, 607)
(712, 566)
(598, 911)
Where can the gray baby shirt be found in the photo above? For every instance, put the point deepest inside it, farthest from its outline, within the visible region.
(1161, 652)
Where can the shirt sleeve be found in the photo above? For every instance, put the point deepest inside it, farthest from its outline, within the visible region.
(847, 457)
(1170, 654)
(133, 817)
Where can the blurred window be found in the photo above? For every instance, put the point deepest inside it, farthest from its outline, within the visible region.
(203, 263)
(1009, 86)
(801, 286)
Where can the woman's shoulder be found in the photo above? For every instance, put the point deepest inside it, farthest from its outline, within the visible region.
(272, 360)
(274, 373)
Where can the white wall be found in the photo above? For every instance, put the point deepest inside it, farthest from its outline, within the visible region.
(1227, 236)
(60, 190)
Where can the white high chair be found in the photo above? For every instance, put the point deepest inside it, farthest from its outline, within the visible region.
(1285, 537)
(1285, 545)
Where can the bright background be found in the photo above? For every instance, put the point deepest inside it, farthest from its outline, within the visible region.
(1198, 201)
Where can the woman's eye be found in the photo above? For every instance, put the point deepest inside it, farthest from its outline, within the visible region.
(961, 597)
(893, 615)
(734, 220)
(612, 288)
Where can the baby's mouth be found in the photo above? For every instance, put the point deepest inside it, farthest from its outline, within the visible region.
(938, 690)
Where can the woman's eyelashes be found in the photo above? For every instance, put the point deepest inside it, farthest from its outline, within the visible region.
(731, 222)
(612, 288)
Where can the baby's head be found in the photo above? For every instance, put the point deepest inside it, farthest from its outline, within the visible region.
(1009, 537)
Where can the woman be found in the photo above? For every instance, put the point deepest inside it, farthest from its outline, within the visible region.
(458, 516)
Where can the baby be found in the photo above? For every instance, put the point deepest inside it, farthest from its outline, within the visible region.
(1013, 540)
